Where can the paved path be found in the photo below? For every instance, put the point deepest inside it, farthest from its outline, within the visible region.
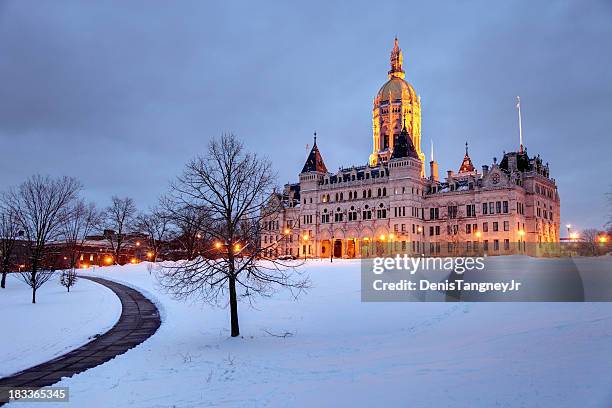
(139, 320)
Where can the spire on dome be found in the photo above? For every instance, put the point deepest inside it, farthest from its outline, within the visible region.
(466, 164)
(397, 59)
(314, 162)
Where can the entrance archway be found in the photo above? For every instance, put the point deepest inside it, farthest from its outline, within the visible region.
(350, 248)
(337, 248)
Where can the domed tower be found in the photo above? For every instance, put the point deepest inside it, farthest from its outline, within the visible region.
(395, 104)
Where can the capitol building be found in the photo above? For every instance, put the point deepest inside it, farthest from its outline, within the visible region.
(398, 201)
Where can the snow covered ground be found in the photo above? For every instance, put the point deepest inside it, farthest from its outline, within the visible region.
(59, 321)
(347, 353)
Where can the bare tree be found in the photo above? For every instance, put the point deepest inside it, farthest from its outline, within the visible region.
(9, 230)
(80, 221)
(68, 278)
(40, 205)
(155, 225)
(234, 187)
(589, 237)
(119, 218)
(189, 222)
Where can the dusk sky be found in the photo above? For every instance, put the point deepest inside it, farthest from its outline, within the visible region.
(123, 94)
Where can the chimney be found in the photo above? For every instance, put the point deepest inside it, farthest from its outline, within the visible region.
(485, 170)
(433, 170)
(450, 175)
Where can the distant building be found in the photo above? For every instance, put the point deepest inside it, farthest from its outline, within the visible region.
(391, 202)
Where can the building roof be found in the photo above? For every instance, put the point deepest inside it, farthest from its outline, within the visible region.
(314, 162)
(403, 146)
(466, 164)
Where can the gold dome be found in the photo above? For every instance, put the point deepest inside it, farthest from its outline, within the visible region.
(396, 87)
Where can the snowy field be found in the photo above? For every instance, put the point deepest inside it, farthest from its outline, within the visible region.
(347, 353)
(56, 324)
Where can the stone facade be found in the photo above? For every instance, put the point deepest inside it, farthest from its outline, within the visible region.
(391, 204)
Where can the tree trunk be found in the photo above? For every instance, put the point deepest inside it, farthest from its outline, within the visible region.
(3, 283)
(234, 307)
(33, 282)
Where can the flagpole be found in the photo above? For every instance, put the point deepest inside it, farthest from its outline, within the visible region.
(518, 105)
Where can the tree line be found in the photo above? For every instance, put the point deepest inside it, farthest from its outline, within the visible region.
(213, 211)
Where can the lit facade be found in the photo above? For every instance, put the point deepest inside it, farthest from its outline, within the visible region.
(390, 202)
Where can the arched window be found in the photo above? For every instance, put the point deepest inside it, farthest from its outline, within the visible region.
(379, 191)
(369, 193)
(352, 214)
(384, 191)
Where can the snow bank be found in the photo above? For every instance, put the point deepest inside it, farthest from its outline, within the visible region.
(56, 324)
(342, 352)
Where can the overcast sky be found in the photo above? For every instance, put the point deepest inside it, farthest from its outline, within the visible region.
(122, 94)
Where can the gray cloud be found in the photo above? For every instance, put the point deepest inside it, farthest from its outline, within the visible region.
(122, 94)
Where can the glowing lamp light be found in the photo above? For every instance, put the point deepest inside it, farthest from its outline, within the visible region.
(569, 226)
(478, 234)
(521, 233)
(108, 260)
(237, 247)
(84, 266)
(420, 229)
(217, 245)
(366, 239)
(603, 239)
(391, 236)
(133, 260)
(574, 235)
(305, 237)
(382, 237)
(287, 231)
(198, 235)
(149, 255)
(137, 243)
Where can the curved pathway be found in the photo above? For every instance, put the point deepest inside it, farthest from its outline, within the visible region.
(139, 320)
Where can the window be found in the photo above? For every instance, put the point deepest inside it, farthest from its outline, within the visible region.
(452, 211)
(485, 227)
(495, 226)
(506, 244)
(381, 212)
(431, 231)
(437, 230)
(498, 207)
(484, 208)
(491, 207)
(470, 210)
(496, 245)
(325, 216)
(434, 213)
(468, 228)
(505, 204)
(506, 226)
